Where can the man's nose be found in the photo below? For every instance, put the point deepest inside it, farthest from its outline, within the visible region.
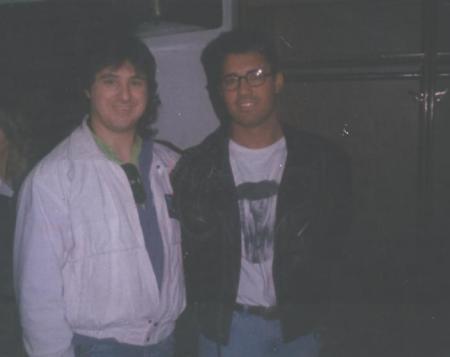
(243, 85)
(125, 92)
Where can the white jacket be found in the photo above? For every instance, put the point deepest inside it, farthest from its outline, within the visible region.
(80, 260)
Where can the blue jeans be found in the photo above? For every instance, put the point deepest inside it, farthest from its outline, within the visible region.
(253, 336)
(91, 347)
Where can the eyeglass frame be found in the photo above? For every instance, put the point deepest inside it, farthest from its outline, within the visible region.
(246, 76)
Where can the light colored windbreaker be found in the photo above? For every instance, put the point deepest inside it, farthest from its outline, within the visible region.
(80, 262)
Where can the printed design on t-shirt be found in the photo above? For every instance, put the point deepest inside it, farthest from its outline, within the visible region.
(257, 212)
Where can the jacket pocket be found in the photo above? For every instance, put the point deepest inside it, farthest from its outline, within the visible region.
(109, 289)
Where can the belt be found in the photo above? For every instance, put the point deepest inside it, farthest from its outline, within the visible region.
(267, 313)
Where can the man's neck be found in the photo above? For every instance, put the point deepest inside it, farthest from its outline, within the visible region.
(121, 143)
(256, 137)
(123, 147)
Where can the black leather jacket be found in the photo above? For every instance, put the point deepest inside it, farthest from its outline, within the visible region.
(312, 216)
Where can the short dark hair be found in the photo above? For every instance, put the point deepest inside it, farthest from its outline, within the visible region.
(114, 51)
(237, 42)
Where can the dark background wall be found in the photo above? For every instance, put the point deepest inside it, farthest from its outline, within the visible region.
(368, 75)
(373, 77)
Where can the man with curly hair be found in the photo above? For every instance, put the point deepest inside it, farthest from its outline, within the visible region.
(97, 249)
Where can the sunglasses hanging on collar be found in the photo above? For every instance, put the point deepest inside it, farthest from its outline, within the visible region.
(135, 181)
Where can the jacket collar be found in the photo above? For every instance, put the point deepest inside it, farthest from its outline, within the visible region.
(301, 152)
(300, 176)
(82, 144)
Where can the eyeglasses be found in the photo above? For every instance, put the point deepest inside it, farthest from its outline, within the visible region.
(135, 182)
(254, 78)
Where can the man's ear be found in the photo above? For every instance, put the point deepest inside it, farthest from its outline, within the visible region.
(279, 82)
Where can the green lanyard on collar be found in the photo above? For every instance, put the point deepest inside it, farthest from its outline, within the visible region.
(110, 154)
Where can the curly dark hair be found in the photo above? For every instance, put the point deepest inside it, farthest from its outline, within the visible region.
(114, 51)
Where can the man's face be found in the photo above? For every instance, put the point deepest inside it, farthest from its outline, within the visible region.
(118, 99)
(250, 106)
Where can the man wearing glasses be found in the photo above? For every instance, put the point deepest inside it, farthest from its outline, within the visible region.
(263, 210)
(98, 268)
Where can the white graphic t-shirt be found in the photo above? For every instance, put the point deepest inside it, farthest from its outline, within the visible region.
(257, 175)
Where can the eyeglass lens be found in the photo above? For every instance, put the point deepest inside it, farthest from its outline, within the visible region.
(254, 78)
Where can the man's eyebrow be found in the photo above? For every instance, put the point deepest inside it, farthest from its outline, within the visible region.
(106, 75)
(261, 68)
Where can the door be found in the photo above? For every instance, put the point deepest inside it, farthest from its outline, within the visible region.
(372, 77)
